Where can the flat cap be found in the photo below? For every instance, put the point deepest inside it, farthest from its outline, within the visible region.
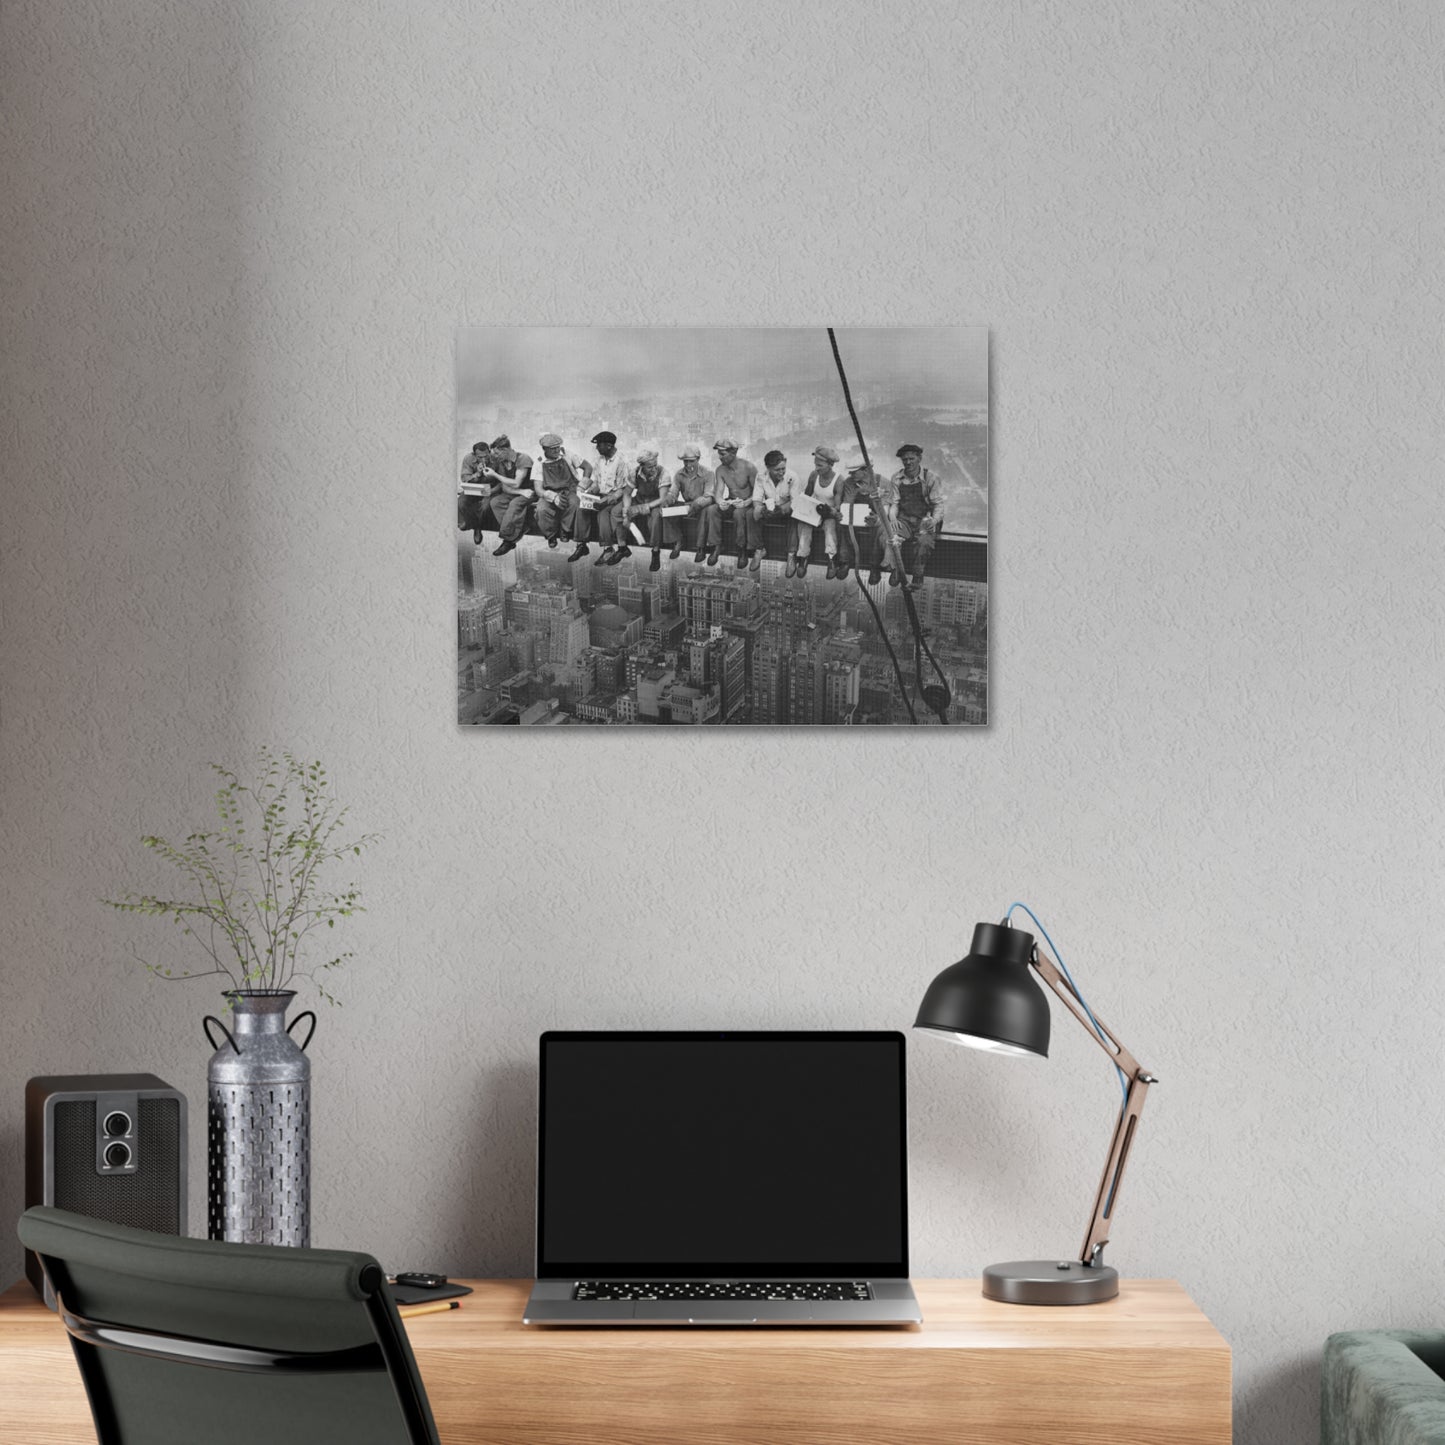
(724, 444)
(605, 436)
(647, 455)
(688, 453)
(860, 467)
(827, 454)
(909, 447)
(550, 439)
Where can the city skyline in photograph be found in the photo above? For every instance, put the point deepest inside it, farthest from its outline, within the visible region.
(936, 366)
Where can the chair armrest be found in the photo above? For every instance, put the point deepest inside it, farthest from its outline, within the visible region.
(1382, 1387)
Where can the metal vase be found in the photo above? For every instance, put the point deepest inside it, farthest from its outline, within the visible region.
(259, 1123)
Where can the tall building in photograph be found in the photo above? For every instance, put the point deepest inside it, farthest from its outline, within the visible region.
(568, 637)
(611, 669)
(771, 659)
(471, 619)
(825, 679)
(493, 574)
(640, 593)
(717, 662)
(747, 629)
(705, 599)
(584, 671)
(840, 686)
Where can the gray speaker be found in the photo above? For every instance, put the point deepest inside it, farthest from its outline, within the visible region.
(110, 1146)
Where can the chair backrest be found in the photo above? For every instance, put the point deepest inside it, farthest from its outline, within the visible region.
(186, 1340)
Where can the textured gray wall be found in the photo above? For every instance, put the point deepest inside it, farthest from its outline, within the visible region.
(1207, 238)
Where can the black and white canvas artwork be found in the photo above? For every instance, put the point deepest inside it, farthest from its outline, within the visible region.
(722, 526)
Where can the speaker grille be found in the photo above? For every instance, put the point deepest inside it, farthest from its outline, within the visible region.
(147, 1199)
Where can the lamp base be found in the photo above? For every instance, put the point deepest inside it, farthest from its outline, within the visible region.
(1050, 1282)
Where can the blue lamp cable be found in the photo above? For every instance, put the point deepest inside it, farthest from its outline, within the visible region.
(1054, 949)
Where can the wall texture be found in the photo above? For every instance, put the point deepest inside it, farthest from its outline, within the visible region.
(235, 242)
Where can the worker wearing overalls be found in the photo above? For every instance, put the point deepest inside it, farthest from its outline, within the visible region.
(913, 503)
(557, 489)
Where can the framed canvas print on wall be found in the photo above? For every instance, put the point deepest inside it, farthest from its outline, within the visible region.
(722, 526)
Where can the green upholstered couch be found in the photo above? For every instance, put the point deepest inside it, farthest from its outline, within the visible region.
(1383, 1387)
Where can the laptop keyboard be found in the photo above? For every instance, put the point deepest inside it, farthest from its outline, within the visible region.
(674, 1289)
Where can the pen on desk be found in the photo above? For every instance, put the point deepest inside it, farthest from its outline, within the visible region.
(436, 1307)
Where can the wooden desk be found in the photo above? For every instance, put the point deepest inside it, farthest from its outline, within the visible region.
(1146, 1368)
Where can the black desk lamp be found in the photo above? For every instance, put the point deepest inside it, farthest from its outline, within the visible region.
(989, 1000)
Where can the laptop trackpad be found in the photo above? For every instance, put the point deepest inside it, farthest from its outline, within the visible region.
(703, 1312)
(767, 1313)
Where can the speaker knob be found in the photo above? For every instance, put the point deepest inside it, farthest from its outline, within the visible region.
(117, 1155)
(117, 1125)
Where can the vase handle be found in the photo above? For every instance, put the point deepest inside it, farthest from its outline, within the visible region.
(206, 1024)
(307, 1015)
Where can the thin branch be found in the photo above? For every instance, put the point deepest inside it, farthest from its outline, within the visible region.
(264, 899)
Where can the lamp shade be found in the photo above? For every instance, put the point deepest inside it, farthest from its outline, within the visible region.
(990, 998)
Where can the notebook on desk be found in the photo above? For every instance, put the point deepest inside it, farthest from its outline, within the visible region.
(722, 1178)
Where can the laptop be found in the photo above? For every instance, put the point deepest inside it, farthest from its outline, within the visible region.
(722, 1179)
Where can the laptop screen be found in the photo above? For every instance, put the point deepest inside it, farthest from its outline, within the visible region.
(721, 1155)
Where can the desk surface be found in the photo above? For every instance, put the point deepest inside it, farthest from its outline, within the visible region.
(1146, 1368)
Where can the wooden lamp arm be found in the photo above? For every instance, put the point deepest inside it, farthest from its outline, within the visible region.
(1097, 1235)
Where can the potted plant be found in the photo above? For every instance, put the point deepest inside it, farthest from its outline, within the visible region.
(255, 906)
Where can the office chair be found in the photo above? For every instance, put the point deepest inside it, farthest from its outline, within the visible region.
(181, 1341)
